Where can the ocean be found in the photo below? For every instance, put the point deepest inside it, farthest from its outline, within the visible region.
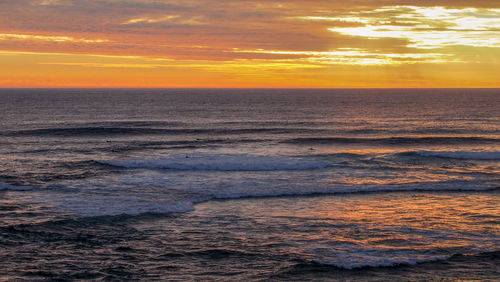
(250, 184)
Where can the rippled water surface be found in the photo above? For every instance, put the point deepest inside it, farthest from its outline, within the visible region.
(249, 184)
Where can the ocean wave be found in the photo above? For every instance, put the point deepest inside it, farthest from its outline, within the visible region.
(48, 187)
(381, 261)
(219, 162)
(210, 253)
(394, 140)
(7, 187)
(178, 144)
(85, 131)
(461, 155)
(350, 190)
(181, 201)
(388, 261)
(107, 131)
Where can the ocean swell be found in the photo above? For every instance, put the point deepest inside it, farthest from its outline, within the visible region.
(219, 162)
(7, 187)
(395, 140)
(461, 155)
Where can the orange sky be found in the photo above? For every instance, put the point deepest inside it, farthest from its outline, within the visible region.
(244, 43)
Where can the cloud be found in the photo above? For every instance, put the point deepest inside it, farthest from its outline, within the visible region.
(31, 37)
(349, 56)
(49, 2)
(173, 27)
(152, 19)
(169, 19)
(322, 37)
(424, 27)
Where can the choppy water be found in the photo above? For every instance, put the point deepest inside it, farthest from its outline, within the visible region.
(249, 184)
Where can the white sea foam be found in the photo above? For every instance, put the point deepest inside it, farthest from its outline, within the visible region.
(462, 155)
(220, 162)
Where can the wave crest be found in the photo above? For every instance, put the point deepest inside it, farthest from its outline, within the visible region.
(462, 155)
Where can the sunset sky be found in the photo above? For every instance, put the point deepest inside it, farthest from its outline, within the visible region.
(245, 43)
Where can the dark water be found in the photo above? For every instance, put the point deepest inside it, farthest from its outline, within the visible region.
(250, 184)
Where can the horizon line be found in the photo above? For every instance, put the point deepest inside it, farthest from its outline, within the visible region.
(236, 88)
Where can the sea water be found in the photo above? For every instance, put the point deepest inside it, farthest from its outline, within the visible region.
(249, 184)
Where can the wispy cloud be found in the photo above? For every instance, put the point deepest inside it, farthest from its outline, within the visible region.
(170, 19)
(49, 2)
(50, 38)
(350, 56)
(423, 27)
(103, 65)
(151, 19)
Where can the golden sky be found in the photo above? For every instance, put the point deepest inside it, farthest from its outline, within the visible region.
(245, 43)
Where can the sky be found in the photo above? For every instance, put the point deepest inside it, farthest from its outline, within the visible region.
(246, 43)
